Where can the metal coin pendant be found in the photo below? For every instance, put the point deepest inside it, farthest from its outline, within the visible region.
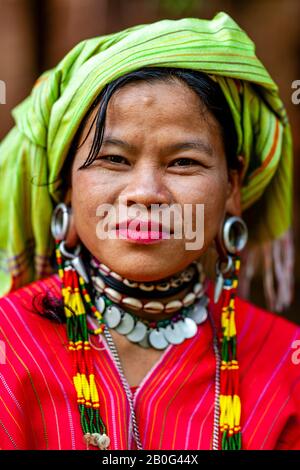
(174, 334)
(138, 333)
(145, 342)
(100, 304)
(198, 314)
(188, 327)
(112, 316)
(203, 301)
(126, 324)
(157, 339)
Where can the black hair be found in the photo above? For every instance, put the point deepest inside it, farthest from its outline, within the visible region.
(210, 95)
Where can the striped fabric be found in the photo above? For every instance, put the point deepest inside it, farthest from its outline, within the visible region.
(174, 403)
(33, 153)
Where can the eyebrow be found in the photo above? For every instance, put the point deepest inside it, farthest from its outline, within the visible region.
(118, 143)
(192, 145)
(197, 144)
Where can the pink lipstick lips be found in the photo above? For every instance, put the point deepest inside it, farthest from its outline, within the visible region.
(140, 231)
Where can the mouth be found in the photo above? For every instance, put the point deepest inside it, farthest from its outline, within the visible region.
(143, 226)
(143, 231)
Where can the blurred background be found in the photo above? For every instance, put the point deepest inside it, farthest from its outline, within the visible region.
(36, 34)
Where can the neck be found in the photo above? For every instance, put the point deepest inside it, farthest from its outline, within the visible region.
(133, 296)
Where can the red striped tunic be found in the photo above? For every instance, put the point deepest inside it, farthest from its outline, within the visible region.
(174, 403)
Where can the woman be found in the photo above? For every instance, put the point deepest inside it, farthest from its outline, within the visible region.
(131, 346)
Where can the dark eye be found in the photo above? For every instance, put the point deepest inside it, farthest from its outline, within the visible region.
(113, 158)
(185, 162)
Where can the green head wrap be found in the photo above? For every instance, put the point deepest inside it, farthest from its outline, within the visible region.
(33, 153)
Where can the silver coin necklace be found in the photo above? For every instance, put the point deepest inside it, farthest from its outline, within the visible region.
(159, 334)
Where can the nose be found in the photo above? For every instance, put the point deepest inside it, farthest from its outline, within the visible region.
(146, 187)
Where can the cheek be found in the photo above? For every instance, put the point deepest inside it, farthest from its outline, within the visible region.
(214, 195)
(88, 193)
(214, 207)
(209, 190)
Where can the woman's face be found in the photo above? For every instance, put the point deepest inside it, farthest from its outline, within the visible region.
(160, 146)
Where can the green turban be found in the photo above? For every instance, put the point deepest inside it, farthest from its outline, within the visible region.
(33, 153)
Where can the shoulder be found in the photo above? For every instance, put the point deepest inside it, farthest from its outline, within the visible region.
(34, 358)
(270, 334)
(249, 314)
(269, 357)
(50, 284)
(27, 337)
(20, 303)
(270, 343)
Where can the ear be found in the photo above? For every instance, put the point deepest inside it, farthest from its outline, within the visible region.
(233, 204)
(68, 196)
(72, 238)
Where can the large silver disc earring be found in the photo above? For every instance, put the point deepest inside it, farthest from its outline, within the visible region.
(234, 240)
(60, 224)
(235, 235)
(60, 221)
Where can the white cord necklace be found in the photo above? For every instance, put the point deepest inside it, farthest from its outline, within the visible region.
(135, 429)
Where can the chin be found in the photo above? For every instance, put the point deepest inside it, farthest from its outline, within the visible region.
(137, 270)
(142, 264)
